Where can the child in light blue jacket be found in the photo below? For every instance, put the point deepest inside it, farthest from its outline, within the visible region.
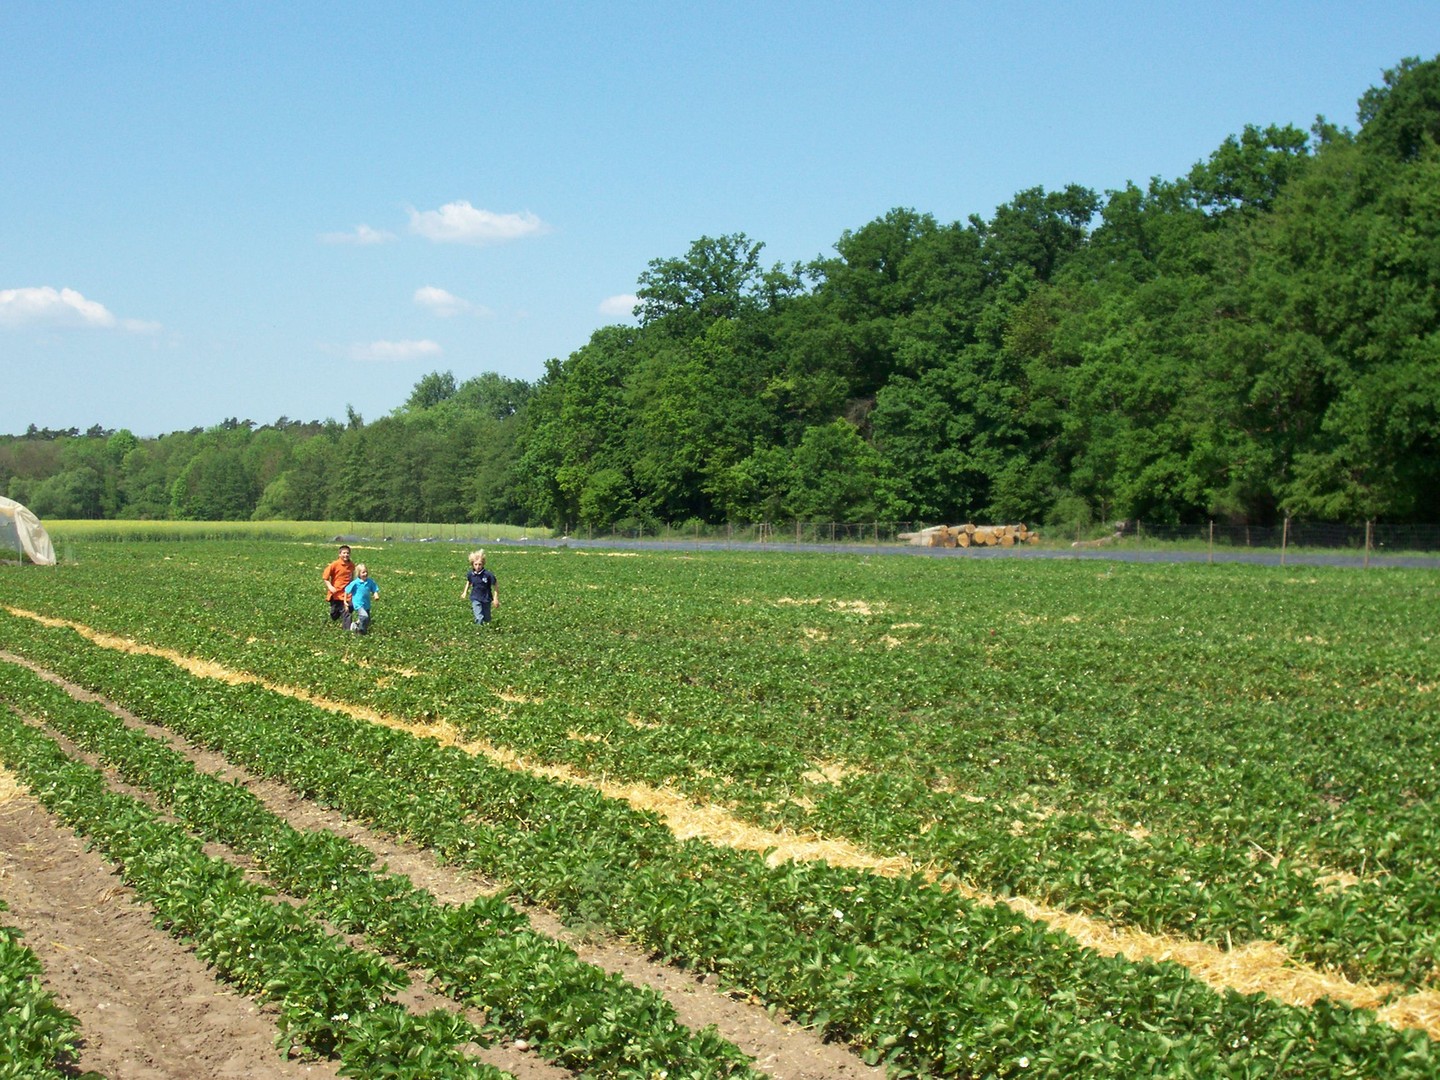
(360, 593)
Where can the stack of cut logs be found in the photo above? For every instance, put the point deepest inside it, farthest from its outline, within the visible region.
(971, 535)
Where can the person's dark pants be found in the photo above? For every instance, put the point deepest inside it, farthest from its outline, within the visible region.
(337, 610)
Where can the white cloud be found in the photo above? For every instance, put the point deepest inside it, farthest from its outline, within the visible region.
(460, 223)
(361, 236)
(45, 305)
(441, 302)
(394, 350)
(624, 304)
(20, 307)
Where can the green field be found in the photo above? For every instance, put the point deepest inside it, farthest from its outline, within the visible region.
(73, 532)
(1220, 754)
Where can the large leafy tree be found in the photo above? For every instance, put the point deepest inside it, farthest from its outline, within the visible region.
(717, 278)
(1341, 290)
(844, 346)
(302, 491)
(430, 391)
(1247, 174)
(492, 395)
(1401, 119)
(575, 426)
(835, 475)
(214, 485)
(698, 407)
(1036, 231)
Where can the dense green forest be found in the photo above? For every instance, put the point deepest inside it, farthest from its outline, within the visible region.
(1258, 338)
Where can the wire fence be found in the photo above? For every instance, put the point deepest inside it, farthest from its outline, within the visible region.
(1306, 535)
(1322, 536)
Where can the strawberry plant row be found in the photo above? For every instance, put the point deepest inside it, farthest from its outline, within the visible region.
(927, 982)
(482, 953)
(1210, 764)
(332, 999)
(38, 1039)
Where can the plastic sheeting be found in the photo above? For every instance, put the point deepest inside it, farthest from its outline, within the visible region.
(21, 530)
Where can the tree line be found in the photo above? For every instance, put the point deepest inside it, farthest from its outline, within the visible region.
(1259, 338)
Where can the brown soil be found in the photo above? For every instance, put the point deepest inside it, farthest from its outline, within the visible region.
(149, 1009)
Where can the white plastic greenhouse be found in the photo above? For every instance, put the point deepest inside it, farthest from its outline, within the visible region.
(21, 531)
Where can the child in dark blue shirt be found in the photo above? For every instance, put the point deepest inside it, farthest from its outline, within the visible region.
(481, 587)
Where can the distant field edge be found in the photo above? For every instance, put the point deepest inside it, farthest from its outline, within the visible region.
(314, 531)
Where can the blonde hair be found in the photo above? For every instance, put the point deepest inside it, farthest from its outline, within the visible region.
(477, 556)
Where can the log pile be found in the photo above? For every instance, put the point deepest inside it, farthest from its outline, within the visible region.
(971, 535)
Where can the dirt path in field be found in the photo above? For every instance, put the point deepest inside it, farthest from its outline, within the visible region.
(210, 1041)
(784, 1051)
(148, 1008)
(1256, 967)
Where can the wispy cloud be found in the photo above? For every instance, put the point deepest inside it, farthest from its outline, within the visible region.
(361, 235)
(44, 305)
(387, 351)
(460, 223)
(624, 304)
(440, 302)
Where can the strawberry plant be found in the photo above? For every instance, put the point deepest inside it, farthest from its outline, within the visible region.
(38, 1039)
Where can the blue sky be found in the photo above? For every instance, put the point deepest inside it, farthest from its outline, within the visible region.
(277, 209)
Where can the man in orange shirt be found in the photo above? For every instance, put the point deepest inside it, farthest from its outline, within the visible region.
(337, 575)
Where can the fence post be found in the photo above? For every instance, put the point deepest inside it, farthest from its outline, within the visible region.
(1368, 525)
(1211, 557)
(1284, 538)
